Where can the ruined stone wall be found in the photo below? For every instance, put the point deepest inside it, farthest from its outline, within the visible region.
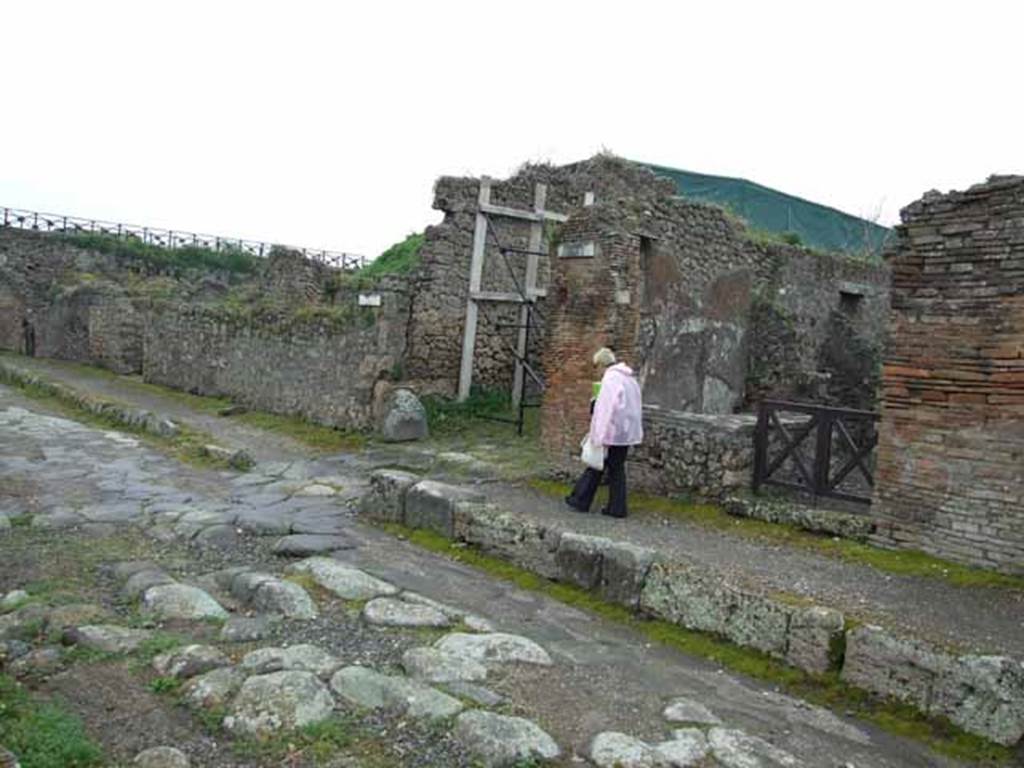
(689, 280)
(818, 325)
(321, 364)
(950, 476)
(441, 284)
(73, 299)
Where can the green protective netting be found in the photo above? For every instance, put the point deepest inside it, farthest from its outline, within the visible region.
(817, 226)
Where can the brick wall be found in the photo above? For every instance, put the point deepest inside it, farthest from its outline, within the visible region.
(951, 456)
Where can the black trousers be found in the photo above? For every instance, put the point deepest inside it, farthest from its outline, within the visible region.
(582, 495)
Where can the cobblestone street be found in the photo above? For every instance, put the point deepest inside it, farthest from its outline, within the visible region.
(121, 548)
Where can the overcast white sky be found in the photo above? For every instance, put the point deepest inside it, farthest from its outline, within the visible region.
(325, 124)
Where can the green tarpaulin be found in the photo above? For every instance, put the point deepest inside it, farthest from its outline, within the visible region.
(817, 226)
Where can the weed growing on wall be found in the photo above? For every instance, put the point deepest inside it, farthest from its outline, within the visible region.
(399, 259)
(188, 258)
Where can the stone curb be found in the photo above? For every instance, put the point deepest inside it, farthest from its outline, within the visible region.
(984, 695)
(146, 421)
(846, 525)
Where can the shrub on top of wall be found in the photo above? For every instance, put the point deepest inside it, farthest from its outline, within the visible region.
(229, 259)
(399, 259)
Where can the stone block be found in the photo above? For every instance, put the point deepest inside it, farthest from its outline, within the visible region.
(983, 695)
(756, 621)
(430, 505)
(886, 665)
(579, 558)
(523, 542)
(680, 594)
(385, 500)
(813, 632)
(623, 572)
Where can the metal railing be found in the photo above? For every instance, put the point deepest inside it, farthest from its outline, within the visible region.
(17, 218)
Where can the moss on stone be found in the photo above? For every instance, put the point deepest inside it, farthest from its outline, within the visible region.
(827, 690)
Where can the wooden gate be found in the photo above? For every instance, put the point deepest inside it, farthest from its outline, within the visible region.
(816, 449)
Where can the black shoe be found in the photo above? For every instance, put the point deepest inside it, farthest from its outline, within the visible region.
(606, 513)
(573, 507)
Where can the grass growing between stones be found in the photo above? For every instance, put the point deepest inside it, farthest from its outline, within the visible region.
(827, 690)
(320, 744)
(42, 735)
(317, 436)
(899, 562)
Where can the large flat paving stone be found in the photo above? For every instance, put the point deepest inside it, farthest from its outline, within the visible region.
(279, 701)
(344, 581)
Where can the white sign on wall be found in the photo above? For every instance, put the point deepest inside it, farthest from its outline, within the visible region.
(369, 300)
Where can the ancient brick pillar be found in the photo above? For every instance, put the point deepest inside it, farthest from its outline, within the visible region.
(950, 476)
(593, 301)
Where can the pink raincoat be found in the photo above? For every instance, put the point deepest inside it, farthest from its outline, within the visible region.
(618, 416)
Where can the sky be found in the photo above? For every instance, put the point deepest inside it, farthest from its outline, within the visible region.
(325, 124)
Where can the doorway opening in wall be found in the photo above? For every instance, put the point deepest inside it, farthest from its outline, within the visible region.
(850, 303)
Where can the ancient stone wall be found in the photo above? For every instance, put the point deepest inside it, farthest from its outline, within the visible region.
(818, 326)
(321, 364)
(950, 476)
(691, 284)
(73, 299)
(441, 284)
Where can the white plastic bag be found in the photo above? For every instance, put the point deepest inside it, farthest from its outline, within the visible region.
(592, 454)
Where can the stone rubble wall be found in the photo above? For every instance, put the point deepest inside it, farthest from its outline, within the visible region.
(674, 288)
(321, 366)
(983, 695)
(950, 478)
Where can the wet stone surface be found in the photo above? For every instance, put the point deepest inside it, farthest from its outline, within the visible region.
(139, 530)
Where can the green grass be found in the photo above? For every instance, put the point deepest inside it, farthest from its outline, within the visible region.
(42, 734)
(188, 258)
(320, 744)
(401, 258)
(449, 418)
(899, 562)
(316, 436)
(165, 684)
(827, 690)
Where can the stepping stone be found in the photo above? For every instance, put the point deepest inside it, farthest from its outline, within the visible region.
(213, 689)
(479, 695)
(304, 544)
(41, 661)
(221, 536)
(243, 584)
(737, 749)
(74, 615)
(316, 489)
(264, 522)
(344, 581)
(688, 747)
(306, 658)
(107, 638)
(618, 750)
(241, 629)
(139, 582)
(494, 648)
(366, 688)
(286, 598)
(683, 710)
(434, 666)
(389, 612)
(279, 701)
(189, 661)
(180, 601)
(499, 741)
(161, 757)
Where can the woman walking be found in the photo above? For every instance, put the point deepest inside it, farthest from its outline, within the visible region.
(615, 424)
